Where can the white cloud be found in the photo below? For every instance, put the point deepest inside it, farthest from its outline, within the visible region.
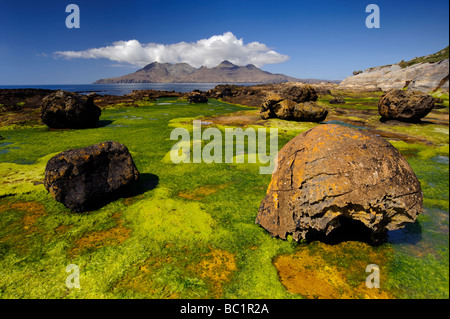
(205, 52)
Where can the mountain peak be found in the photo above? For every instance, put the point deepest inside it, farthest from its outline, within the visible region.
(226, 64)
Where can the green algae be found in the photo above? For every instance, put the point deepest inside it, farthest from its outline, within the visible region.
(189, 230)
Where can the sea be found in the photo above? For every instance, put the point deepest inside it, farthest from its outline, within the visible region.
(123, 88)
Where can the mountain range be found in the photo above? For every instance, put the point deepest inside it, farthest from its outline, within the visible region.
(225, 72)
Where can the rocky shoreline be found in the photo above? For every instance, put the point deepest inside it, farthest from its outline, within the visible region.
(22, 106)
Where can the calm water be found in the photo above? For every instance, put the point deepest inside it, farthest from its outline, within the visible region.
(123, 88)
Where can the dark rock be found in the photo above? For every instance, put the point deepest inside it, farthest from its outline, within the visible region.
(197, 98)
(19, 99)
(227, 92)
(64, 109)
(337, 100)
(357, 72)
(333, 175)
(404, 105)
(223, 90)
(299, 94)
(85, 178)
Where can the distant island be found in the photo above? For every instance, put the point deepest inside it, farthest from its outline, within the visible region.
(225, 72)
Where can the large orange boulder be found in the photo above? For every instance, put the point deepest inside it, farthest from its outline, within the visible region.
(333, 175)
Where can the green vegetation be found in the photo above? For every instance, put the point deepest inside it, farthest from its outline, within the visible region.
(441, 95)
(432, 58)
(194, 234)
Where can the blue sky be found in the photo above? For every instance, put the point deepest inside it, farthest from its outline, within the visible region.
(313, 39)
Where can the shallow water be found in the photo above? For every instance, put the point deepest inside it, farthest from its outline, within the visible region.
(123, 88)
(441, 159)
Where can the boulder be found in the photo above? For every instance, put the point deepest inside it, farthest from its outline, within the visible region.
(64, 109)
(299, 94)
(197, 97)
(309, 112)
(275, 106)
(406, 106)
(85, 178)
(334, 176)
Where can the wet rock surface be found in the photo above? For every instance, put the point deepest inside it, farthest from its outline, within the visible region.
(85, 178)
(332, 177)
(406, 106)
(64, 109)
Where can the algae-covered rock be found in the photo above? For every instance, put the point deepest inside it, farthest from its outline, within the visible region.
(86, 177)
(64, 109)
(332, 175)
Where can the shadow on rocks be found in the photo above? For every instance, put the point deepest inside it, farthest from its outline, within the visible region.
(353, 230)
(103, 123)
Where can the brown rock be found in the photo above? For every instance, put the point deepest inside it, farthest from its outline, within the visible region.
(275, 106)
(299, 94)
(283, 109)
(309, 112)
(406, 106)
(333, 175)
